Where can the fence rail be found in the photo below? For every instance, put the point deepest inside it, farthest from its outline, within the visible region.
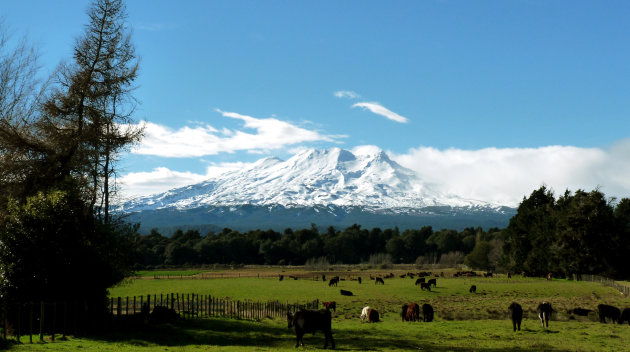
(625, 290)
(53, 319)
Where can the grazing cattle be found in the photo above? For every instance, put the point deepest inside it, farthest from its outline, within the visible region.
(364, 313)
(333, 282)
(606, 311)
(549, 276)
(427, 313)
(346, 293)
(323, 277)
(419, 281)
(544, 313)
(432, 282)
(579, 311)
(359, 279)
(305, 321)
(424, 285)
(509, 276)
(403, 276)
(163, 315)
(373, 316)
(625, 316)
(516, 314)
(413, 312)
(379, 279)
(403, 312)
(281, 277)
(473, 289)
(487, 274)
(330, 305)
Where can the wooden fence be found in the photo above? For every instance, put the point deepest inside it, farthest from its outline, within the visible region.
(625, 290)
(31, 321)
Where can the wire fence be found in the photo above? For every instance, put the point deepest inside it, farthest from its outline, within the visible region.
(625, 290)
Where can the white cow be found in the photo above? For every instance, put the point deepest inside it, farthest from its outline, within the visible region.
(364, 313)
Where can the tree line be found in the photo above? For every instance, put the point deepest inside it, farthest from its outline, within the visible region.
(577, 233)
(351, 245)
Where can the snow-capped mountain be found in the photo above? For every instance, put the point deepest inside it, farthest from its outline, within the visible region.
(367, 178)
(332, 187)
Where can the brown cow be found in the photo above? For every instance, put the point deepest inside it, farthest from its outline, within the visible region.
(330, 305)
(549, 276)
(413, 312)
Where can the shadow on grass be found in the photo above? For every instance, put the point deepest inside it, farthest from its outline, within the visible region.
(242, 333)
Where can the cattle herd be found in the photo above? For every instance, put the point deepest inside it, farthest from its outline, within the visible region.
(311, 321)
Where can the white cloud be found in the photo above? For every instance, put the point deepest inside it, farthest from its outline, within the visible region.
(162, 179)
(381, 110)
(159, 180)
(347, 94)
(506, 175)
(270, 134)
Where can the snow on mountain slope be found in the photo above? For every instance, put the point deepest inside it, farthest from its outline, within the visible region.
(368, 178)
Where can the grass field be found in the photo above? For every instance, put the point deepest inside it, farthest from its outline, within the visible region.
(464, 321)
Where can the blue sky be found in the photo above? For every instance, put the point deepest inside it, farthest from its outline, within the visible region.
(475, 91)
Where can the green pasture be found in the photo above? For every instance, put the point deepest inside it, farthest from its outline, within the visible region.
(450, 298)
(464, 321)
(352, 335)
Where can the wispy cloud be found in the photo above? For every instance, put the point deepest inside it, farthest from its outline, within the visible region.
(347, 94)
(152, 27)
(379, 109)
(270, 134)
(506, 175)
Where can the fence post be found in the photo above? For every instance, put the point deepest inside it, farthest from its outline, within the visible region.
(19, 325)
(54, 321)
(65, 319)
(41, 322)
(5, 321)
(30, 322)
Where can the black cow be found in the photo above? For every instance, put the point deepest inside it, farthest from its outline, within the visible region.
(305, 321)
(324, 277)
(473, 289)
(625, 316)
(346, 293)
(606, 311)
(330, 305)
(162, 315)
(403, 313)
(359, 279)
(427, 313)
(373, 316)
(432, 282)
(281, 277)
(515, 312)
(424, 285)
(544, 313)
(419, 281)
(379, 279)
(333, 281)
(579, 311)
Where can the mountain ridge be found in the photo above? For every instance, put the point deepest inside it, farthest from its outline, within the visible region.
(333, 187)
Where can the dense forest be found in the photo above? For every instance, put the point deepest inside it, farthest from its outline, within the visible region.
(574, 234)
